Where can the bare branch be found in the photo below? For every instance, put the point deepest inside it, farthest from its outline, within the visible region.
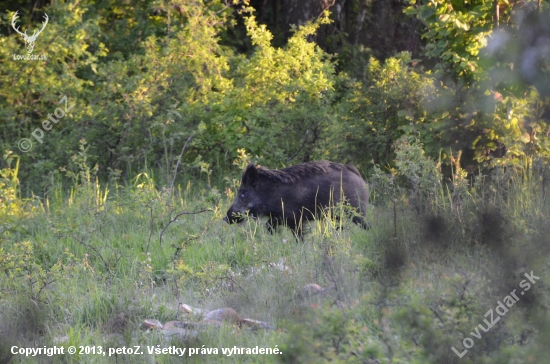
(299, 150)
(179, 160)
(176, 217)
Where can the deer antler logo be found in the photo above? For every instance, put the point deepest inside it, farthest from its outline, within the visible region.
(29, 40)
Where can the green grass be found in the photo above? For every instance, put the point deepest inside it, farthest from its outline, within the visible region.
(398, 293)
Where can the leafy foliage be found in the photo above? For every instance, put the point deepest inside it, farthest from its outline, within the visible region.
(377, 111)
(481, 106)
(116, 208)
(456, 32)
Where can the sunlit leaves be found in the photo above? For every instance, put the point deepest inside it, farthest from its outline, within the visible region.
(455, 33)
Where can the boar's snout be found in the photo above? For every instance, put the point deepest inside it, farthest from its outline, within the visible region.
(235, 216)
(229, 218)
(232, 218)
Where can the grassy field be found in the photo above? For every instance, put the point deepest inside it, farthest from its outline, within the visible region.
(86, 266)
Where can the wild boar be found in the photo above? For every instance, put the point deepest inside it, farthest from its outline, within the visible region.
(299, 193)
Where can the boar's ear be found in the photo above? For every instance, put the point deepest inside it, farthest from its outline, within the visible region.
(250, 176)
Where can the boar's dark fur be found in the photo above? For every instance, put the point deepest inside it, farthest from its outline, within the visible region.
(296, 194)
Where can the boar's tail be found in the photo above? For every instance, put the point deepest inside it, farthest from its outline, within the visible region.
(352, 169)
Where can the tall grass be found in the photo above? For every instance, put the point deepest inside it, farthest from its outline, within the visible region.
(86, 265)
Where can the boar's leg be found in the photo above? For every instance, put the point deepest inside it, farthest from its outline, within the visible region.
(361, 222)
(272, 225)
(358, 216)
(296, 228)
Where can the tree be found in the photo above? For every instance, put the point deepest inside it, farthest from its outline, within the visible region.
(475, 112)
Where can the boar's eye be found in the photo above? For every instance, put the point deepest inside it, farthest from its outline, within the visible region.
(244, 193)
